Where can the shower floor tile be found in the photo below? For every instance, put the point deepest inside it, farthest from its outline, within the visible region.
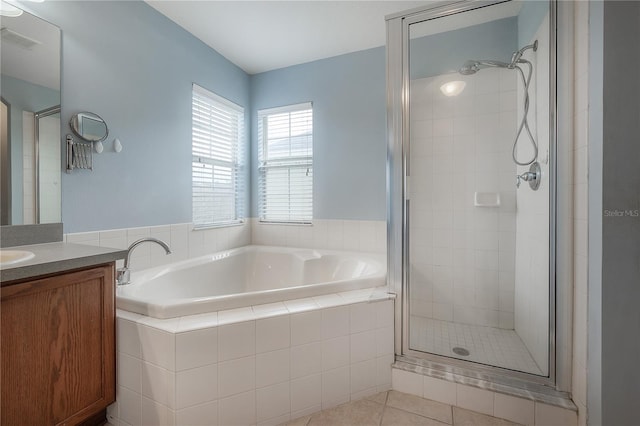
(486, 345)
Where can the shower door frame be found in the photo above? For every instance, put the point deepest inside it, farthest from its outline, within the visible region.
(398, 176)
(56, 109)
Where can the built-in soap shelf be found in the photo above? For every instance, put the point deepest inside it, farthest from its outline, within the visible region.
(486, 199)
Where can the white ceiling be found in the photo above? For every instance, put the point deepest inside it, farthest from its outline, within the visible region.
(260, 36)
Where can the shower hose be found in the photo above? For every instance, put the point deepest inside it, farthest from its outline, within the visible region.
(524, 124)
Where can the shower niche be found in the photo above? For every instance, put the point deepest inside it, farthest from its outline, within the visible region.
(472, 186)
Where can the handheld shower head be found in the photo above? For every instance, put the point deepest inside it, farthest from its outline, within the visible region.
(469, 68)
(472, 67)
(518, 53)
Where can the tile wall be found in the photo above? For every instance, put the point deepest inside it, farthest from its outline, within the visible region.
(186, 242)
(350, 235)
(532, 218)
(519, 410)
(252, 365)
(462, 263)
(580, 200)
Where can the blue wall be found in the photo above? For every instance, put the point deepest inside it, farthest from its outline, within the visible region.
(132, 66)
(349, 107)
(349, 139)
(446, 52)
(529, 20)
(23, 96)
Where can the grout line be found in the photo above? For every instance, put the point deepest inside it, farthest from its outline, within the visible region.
(384, 408)
(310, 417)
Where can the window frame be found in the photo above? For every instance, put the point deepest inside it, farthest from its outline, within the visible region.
(235, 164)
(289, 163)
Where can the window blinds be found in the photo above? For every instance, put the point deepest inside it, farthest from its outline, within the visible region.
(286, 164)
(217, 130)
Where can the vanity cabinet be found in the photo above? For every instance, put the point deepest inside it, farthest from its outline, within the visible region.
(58, 353)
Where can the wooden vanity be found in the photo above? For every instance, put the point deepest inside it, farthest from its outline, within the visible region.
(58, 346)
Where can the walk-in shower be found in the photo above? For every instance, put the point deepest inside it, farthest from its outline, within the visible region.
(470, 250)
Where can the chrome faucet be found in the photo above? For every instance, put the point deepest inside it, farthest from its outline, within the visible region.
(123, 274)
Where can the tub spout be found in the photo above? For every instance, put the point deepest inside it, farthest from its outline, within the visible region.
(123, 274)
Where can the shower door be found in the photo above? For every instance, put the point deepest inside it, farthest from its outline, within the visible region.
(478, 184)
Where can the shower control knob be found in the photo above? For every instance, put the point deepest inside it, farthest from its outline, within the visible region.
(533, 176)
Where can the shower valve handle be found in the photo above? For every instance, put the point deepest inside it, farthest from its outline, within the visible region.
(526, 176)
(533, 176)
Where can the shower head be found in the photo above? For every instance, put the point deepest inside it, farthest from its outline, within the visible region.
(469, 68)
(472, 67)
(517, 55)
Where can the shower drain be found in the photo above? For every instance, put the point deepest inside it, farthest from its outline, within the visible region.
(460, 351)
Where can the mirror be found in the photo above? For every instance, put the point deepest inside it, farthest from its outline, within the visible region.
(89, 127)
(30, 119)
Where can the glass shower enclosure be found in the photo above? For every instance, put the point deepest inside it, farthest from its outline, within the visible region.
(472, 229)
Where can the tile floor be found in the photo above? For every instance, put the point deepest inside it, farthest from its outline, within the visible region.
(486, 345)
(394, 408)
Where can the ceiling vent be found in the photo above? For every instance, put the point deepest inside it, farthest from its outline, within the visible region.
(18, 39)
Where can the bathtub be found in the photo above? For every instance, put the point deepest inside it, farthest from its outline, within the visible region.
(246, 276)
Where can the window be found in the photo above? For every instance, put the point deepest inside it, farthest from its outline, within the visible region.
(217, 132)
(286, 164)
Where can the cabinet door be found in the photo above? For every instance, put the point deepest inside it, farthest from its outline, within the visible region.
(58, 355)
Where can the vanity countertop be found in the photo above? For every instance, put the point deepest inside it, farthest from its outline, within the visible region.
(51, 258)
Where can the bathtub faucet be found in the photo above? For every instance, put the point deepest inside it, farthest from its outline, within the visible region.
(124, 274)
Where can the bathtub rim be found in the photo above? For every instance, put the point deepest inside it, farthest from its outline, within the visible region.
(179, 307)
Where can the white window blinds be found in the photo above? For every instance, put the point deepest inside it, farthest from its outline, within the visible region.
(217, 132)
(286, 164)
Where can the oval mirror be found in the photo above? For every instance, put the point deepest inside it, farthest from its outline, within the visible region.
(89, 127)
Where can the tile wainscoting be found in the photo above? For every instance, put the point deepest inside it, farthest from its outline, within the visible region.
(350, 235)
(187, 242)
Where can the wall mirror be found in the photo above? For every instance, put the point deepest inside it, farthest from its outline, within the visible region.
(30, 128)
(89, 127)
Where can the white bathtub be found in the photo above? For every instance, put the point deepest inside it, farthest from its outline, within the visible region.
(247, 276)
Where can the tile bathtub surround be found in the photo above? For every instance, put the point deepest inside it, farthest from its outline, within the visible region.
(349, 235)
(262, 367)
(184, 241)
(519, 410)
